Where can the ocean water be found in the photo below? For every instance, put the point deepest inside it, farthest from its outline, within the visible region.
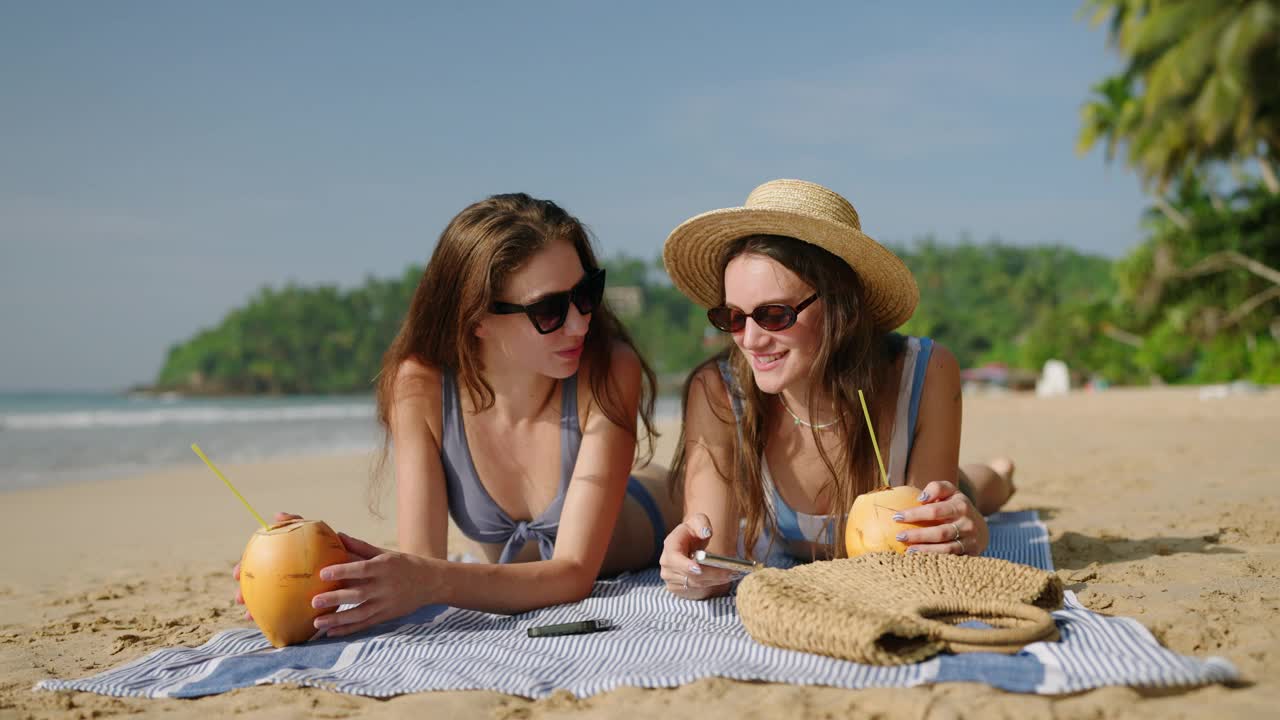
(52, 438)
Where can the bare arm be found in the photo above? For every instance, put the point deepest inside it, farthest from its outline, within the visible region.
(935, 452)
(935, 460)
(422, 510)
(710, 512)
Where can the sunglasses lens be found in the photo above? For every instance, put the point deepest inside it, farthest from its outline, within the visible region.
(774, 317)
(588, 293)
(549, 313)
(726, 319)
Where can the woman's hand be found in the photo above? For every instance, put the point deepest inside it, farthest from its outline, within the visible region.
(235, 571)
(383, 584)
(956, 526)
(683, 575)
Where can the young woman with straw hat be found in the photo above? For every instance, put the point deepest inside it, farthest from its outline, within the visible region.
(513, 398)
(775, 447)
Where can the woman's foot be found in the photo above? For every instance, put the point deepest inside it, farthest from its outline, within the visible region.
(1003, 467)
(992, 483)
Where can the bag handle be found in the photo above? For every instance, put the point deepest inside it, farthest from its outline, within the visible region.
(1035, 624)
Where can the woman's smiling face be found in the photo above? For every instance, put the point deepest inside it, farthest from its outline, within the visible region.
(782, 359)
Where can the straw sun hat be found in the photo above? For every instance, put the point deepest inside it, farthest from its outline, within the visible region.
(802, 210)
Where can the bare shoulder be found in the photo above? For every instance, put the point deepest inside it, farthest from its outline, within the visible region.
(625, 368)
(941, 358)
(416, 393)
(622, 385)
(624, 363)
(415, 379)
(414, 369)
(943, 375)
(706, 399)
(707, 386)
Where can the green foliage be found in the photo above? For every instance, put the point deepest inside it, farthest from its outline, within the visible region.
(294, 340)
(1198, 92)
(1205, 77)
(1076, 333)
(982, 300)
(1204, 316)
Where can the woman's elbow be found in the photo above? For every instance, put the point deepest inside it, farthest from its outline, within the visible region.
(579, 581)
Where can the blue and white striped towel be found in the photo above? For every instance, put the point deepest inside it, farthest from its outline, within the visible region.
(660, 641)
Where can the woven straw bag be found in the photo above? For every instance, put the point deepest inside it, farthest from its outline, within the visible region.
(891, 609)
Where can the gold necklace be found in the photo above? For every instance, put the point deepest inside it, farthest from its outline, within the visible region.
(805, 423)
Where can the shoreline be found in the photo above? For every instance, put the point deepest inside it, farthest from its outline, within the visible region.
(47, 441)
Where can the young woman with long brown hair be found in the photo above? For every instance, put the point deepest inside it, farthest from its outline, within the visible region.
(510, 397)
(775, 447)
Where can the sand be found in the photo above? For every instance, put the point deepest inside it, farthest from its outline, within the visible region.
(1161, 506)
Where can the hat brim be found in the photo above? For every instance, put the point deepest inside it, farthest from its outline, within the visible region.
(692, 253)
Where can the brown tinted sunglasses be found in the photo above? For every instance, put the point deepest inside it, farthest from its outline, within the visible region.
(772, 317)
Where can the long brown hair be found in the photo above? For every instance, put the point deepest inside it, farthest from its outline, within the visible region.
(479, 249)
(853, 353)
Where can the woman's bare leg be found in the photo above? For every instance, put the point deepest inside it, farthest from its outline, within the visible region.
(992, 483)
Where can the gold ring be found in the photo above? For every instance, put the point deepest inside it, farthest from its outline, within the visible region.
(957, 529)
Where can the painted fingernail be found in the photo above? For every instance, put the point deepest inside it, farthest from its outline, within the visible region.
(898, 517)
(317, 603)
(923, 496)
(705, 533)
(695, 569)
(326, 575)
(912, 549)
(901, 536)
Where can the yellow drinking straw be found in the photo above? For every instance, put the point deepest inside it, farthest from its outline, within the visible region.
(217, 472)
(874, 444)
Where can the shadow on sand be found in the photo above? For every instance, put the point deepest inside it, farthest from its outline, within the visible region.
(1074, 550)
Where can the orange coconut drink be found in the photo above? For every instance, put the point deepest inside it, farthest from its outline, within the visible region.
(280, 573)
(871, 527)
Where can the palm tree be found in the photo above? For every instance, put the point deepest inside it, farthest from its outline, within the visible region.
(1207, 70)
(1111, 116)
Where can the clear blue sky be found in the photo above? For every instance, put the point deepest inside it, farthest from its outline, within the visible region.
(160, 161)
